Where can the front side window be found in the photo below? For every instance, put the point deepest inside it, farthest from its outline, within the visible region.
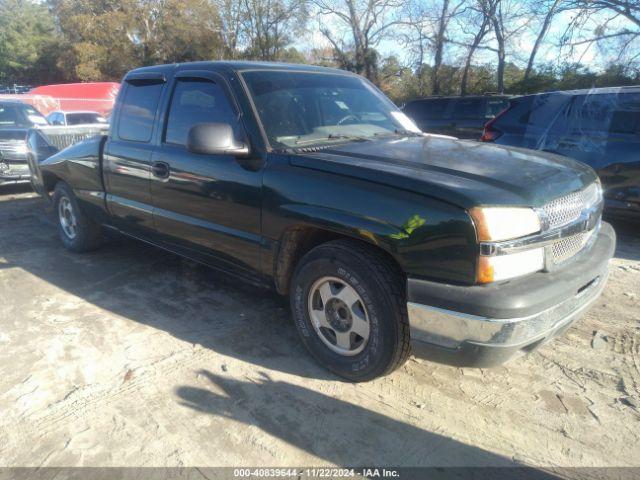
(138, 111)
(196, 101)
(299, 109)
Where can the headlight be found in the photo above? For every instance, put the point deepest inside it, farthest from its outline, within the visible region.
(593, 194)
(494, 224)
(502, 267)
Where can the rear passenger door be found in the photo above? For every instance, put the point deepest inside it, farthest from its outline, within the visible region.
(207, 206)
(127, 154)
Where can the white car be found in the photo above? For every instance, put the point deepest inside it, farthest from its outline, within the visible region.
(76, 118)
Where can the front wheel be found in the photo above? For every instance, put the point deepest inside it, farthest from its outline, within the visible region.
(349, 307)
(77, 231)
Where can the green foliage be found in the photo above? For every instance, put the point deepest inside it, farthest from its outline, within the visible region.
(26, 37)
(106, 38)
(87, 40)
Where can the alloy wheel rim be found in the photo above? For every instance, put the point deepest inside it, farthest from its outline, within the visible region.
(67, 218)
(339, 316)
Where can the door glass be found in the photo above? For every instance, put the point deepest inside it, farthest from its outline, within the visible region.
(430, 109)
(494, 107)
(625, 118)
(196, 101)
(138, 111)
(467, 108)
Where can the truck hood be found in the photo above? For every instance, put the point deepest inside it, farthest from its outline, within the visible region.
(461, 172)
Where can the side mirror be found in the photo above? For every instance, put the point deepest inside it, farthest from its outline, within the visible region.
(215, 139)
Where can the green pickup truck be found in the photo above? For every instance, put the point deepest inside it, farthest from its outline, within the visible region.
(311, 181)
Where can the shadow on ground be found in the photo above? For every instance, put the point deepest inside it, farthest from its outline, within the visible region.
(628, 233)
(200, 306)
(330, 428)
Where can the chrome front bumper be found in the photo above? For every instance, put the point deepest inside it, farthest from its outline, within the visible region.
(450, 329)
(14, 173)
(503, 321)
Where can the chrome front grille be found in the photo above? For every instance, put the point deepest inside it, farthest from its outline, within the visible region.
(62, 137)
(13, 151)
(568, 247)
(564, 210)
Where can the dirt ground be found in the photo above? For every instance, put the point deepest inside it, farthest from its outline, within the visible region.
(130, 356)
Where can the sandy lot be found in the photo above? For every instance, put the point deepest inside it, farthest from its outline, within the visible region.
(130, 356)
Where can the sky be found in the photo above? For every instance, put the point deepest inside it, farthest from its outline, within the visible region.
(588, 55)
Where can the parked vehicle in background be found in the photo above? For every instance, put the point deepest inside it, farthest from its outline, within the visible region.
(76, 118)
(462, 117)
(15, 89)
(599, 127)
(16, 118)
(92, 96)
(21, 125)
(15, 114)
(311, 181)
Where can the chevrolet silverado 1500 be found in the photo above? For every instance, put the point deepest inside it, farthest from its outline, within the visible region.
(310, 180)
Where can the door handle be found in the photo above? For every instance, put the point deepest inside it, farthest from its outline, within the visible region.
(160, 169)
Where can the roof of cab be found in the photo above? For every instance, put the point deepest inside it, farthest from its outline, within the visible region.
(590, 91)
(236, 66)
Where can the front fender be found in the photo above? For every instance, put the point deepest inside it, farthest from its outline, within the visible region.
(427, 237)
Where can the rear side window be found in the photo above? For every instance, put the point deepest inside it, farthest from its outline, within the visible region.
(196, 101)
(534, 114)
(625, 118)
(427, 109)
(467, 108)
(138, 111)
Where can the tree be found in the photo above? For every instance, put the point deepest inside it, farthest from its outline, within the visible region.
(26, 34)
(366, 23)
(427, 25)
(231, 14)
(269, 26)
(547, 10)
(447, 12)
(478, 15)
(107, 38)
(611, 25)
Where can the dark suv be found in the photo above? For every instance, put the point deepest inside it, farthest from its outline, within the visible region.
(461, 117)
(599, 127)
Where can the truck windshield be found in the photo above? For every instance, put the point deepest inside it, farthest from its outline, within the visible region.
(299, 109)
(19, 115)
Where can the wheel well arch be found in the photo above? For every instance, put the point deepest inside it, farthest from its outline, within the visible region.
(49, 181)
(297, 241)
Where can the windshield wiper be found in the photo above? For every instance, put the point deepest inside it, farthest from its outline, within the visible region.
(399, 131)
(334, 136)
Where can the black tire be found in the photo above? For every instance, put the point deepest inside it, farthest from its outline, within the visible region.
(381, 288)
(88, 234)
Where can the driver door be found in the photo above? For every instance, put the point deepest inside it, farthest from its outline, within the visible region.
(207, 206)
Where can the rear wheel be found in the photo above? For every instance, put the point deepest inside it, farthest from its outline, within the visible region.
(349, 307)
(77, 231)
